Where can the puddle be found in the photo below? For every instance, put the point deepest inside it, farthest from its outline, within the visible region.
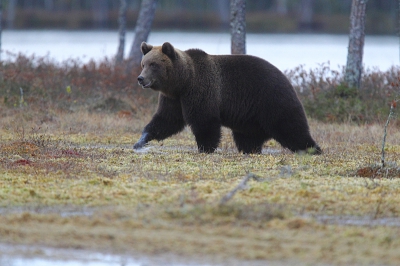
(11, 255)
(144, 149)
(99, 261)
(358, 221)
(64, 211)
(167, 149)
(22, 255)
(18, 255)
(164, 149)
(271, 151)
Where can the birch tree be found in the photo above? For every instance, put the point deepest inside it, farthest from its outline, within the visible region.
(122, 31)
(142, 31)
(238, 26)
(356, 44)
(1, 26)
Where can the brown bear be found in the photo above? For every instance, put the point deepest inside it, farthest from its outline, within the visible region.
(244, 93)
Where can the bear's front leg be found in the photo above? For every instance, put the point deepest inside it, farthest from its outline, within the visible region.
(207, 135)
(142, 141)
(167, 121)
(159, 128)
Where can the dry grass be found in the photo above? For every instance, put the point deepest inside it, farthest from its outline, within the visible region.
(74, 181)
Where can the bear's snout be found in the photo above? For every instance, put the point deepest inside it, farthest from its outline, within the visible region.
(144, 83)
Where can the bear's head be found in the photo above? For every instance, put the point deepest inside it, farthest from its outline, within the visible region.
(159, 67)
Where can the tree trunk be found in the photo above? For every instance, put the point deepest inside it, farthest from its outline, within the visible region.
(356, 44)
(281, 7)
(49, 5)
(122, 32)
(306, 15)
(142, 31)
(100, 13)
(28, 4)
(238, 26)
(1, 24)
(11, 13)
(222, 6)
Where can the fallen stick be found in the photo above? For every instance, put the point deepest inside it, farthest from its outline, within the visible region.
(391, 114)
(242, 185)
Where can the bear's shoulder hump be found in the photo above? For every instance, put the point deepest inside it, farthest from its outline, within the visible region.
(195, 52)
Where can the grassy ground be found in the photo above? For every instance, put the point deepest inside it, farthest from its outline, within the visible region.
(71, 180)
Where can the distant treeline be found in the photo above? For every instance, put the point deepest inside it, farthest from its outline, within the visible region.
(280, 16)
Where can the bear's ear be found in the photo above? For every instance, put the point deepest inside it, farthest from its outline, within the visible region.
(169, 50)
(145, 48)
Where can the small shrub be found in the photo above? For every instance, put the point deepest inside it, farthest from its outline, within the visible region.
(72, 85)
(326, 97)
(46, 84)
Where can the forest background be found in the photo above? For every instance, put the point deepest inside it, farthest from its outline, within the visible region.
(282, 16)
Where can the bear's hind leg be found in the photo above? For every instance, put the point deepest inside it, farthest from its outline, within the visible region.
(248, 144)
(207, 138)
(296, 139)
(301, 144)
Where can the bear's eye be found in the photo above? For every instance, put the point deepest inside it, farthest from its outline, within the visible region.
(153, 65)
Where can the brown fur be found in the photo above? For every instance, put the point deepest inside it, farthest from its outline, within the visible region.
(242, 92)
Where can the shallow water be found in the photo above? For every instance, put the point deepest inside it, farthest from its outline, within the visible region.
(359, 221)
(19, 255)
(286, 51)
(99, 261)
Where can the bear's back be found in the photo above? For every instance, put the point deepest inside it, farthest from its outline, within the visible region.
(250, 77)
(245, 84)
(240, 73)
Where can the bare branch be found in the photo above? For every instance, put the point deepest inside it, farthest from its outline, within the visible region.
(242, 185)
(391, 113)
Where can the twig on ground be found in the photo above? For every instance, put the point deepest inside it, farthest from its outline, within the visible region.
(391, 113)
(21, 99)
(242, 185)
(378, 208)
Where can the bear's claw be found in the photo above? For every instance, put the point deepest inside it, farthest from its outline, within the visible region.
(141, 142)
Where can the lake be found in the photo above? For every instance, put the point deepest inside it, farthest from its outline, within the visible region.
(286, 51)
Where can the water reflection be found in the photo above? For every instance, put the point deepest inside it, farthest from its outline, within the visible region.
(19, 255)
(37, 256)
